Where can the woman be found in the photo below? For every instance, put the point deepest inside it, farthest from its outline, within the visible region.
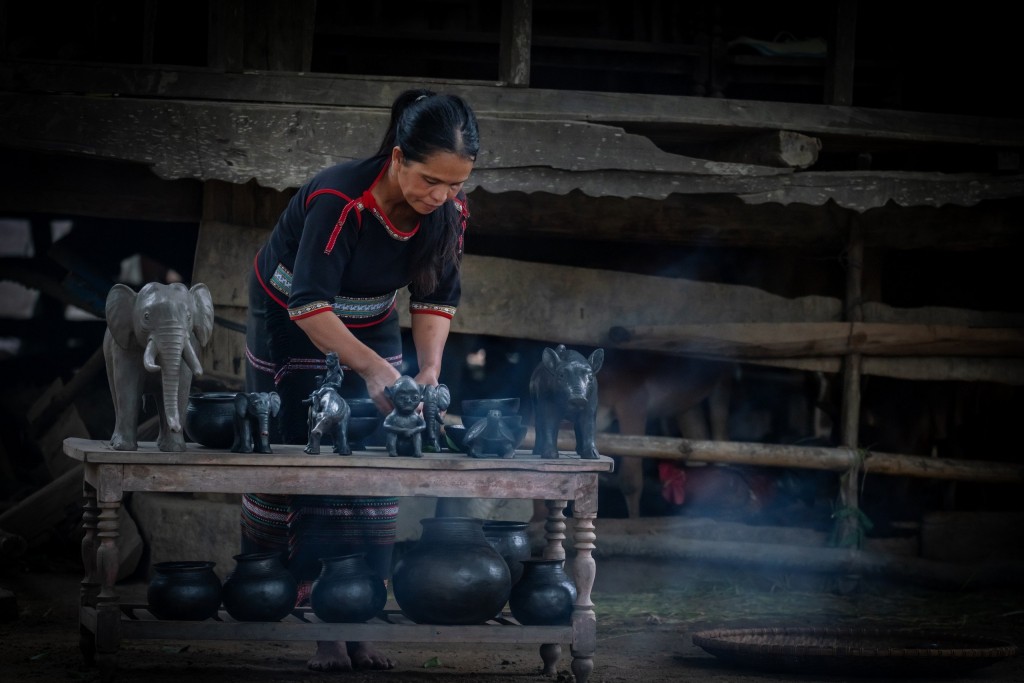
(327, 280)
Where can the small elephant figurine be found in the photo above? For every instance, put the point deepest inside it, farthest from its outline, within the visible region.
(404, 426)
(252, 419)
(564, 387)
(435, 401)
(151, 346)
(328, 414)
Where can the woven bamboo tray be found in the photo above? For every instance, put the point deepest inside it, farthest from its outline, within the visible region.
(862, 652)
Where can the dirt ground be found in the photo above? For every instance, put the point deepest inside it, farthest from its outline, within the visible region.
(647, 613)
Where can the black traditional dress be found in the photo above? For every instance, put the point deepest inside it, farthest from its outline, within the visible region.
(332, 252)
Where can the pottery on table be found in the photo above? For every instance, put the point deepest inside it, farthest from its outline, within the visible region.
(512, 542)
(184, 590)
(260, 588)
(454, 438)
(511, 422)
(359, 428)
(209, 419)
(451, 575)
(479, 407)
(347, 590)
(544, 596)
(363, 407)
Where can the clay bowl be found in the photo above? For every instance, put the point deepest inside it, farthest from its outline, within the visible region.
(481, 406)
(512, 422)
(209, 419)
(455, 435)
(363, 407)
(361, 427)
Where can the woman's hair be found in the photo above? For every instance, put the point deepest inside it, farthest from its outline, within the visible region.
(425, 123)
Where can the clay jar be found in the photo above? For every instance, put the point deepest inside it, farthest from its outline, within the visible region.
(209, 419)
(545, 596)
(511, 541)
(260, 589)
(452, 575)
(347, 590)
(187, 590)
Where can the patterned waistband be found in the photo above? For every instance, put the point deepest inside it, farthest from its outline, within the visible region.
(318, 365)
(354, 308)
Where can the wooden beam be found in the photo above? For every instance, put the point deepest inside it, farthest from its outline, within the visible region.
(750, 341)
(225, 48)
(780, 148)
(860, 127)
(841, 55)
(279, 145)
(516, 34)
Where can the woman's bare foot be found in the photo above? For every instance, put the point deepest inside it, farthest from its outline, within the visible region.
(330, 656)
(365, 656)
(335, 656)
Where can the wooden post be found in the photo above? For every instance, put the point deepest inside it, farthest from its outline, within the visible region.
(224, 42)
(848, 531)
(839, 75)
(516, 35)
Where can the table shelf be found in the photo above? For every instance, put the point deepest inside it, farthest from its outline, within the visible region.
(108, 474)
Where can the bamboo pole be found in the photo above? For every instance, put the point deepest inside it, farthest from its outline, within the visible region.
(783, 455)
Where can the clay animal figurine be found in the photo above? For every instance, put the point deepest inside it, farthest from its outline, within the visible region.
(334, 376)
(490, 435)
(252, 420)
(328, 414)
(404, 426)
(435, 401)
(151, 345)
(564, 387)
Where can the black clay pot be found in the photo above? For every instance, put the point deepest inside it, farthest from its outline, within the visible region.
(260, 589)
(347, 590)
(544, 596)
(452, 575)
(187, 591)
(209, 419)
(511, 541)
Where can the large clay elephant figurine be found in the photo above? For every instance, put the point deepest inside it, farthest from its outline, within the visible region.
(252, 420)
(151, 346)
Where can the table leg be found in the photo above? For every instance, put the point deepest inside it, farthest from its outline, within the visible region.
(584, 620)
(108, 613)
(554, 530)
(90, 586)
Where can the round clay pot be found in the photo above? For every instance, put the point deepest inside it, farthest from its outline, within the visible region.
(209, 419)
(187, 590)
(260, 589)
(347, 590)
(452, 575)
(544, 596)
(511, 541)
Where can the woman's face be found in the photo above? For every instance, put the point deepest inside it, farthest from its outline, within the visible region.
(427, 185)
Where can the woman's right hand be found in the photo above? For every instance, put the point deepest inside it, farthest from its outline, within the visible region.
(380, 377)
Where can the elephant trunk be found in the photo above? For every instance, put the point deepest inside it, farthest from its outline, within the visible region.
(171, 349)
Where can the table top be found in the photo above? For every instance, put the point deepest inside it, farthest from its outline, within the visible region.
(94, 451)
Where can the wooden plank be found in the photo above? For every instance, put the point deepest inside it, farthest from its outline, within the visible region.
(706, 115)
(780, 148)
(841, 55)
(278, 146)
(225, 37)
(807, 340)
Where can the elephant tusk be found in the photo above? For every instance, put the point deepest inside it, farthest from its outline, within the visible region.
(191, 359)
(149, 357)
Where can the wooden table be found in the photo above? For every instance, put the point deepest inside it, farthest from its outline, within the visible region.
(108, 474)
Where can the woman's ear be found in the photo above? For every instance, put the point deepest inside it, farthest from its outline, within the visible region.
(396, 155)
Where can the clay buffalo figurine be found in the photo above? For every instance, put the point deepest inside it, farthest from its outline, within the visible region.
(252, 420)
(564, 387)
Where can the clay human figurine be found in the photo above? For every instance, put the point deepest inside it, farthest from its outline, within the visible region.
(564, 387)
(334, 376)
(328, 414)
(490, 435)
(151, 345)
(435, 401)
(404, 426)
(252, 420)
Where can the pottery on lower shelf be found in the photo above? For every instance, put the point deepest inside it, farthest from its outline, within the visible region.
(184, 590)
